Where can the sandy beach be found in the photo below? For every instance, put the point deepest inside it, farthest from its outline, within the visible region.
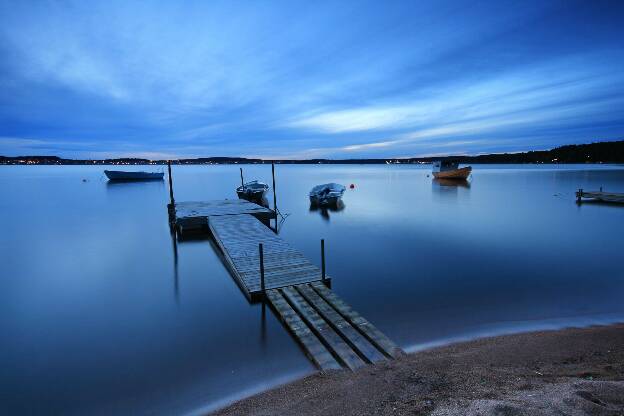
(567, 372)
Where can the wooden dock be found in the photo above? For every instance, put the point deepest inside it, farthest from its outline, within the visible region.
(599, 196)
(239, 237)
(329, 331)
(193, 216)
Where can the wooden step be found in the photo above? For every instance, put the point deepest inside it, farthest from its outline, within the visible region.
(375, 336)
(314, 349)
(321, 328)
(351, 335)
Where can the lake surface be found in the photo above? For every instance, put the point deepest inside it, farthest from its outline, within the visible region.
(97, 318)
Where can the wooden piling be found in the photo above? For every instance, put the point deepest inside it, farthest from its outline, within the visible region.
(171, 199)
(261, 250)
(323, 259)
(274, 195)
(242, 181)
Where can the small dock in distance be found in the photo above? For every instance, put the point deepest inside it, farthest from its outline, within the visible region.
(599, 196)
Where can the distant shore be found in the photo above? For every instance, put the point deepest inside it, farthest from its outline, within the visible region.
(571, 371)
(599, 152)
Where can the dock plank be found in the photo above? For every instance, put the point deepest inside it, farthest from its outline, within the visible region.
(238, 237)
(375, 336)
(351, 335)
(337, 345)
(191, 209)
(313, 348)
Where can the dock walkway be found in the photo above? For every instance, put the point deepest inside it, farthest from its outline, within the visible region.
(192, 216)
(330, 332)
(238, 237)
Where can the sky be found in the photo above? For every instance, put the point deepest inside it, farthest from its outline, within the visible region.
(290, 79)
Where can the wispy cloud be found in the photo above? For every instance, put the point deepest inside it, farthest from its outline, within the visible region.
(330, 80)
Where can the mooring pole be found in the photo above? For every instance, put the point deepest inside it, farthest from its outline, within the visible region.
(274, 195)
(579, 194)
(242, 182)
(261, 249)
(170, 184)
(323, 260)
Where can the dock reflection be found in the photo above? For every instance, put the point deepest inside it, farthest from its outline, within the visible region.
(176, 281)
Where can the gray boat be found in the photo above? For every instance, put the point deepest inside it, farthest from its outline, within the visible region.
(120, 175)
(253, 190)
(327, 194)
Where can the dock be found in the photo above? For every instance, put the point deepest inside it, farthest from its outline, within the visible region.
(330, 332)
(193, 216)
(269, 269)
(599, 196)
(239, 238)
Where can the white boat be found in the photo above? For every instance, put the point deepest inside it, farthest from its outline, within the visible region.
(446, 169)
(327, 194)
(252, 190)
(120, 175)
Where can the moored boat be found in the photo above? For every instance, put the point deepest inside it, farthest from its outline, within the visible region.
(328, 194)
(446, 169)
(252, 190)
(121, 175)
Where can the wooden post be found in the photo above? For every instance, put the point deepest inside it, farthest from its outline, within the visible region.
(323, 260)
(274, 195)
(261, 249)
(242, 182)
(170, 184)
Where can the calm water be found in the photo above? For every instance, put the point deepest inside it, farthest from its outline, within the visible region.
(96, 318)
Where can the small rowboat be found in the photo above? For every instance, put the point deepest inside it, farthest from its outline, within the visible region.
(328, 194)
(253, 190)
(445, 169)
(120, 175)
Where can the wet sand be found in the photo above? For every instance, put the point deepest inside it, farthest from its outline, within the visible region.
(568, 372)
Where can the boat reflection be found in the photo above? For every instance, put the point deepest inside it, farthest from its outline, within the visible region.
(458, 183)
(263, 202)
(326, 209)
(133, 186)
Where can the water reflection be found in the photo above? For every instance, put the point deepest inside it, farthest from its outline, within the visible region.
(456, 262)
(457, 183)
(134, 184)
(263, 202)
(325, 210)
(176, 287)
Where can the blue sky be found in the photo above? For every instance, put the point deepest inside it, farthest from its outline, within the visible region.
(292, 79)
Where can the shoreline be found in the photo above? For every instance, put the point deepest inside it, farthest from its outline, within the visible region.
(577, 371)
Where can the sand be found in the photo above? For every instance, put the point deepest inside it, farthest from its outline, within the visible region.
(568, 372)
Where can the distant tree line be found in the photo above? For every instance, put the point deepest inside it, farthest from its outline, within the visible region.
(601, 152)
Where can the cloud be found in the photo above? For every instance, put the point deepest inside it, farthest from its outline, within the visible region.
(359, 79)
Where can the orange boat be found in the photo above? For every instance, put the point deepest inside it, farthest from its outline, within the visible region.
(446, 169)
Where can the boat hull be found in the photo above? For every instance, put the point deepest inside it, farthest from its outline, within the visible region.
(462, 173)
(118, 175)
(255, 195)
(329, 201)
